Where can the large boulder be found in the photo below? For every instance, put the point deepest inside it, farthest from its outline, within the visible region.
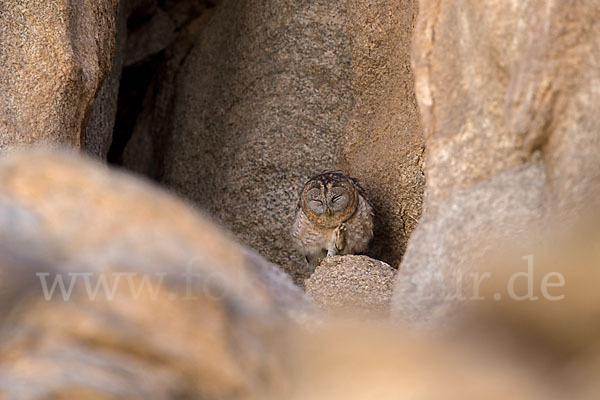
(507, 93)
(255, 97)
(155, 300)
(259, 105)
(54, 58)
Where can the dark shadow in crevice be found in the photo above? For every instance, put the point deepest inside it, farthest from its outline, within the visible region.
(136, 80)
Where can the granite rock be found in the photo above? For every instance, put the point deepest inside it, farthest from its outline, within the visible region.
(507, 93)
(54, 58)
(357, 286)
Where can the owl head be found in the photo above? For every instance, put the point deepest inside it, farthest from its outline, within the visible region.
(330, 198)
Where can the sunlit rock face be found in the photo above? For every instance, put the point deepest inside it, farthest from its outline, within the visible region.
(54, 58)
(507, 92)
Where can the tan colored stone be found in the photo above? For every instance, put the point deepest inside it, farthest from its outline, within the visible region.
(101, 123)
(256, 107)
(383, 145)
(55, 55)
(258, 96)
(508, 93)
(356, 286)
(60, 215)
(358, 361)
(455, 237)
(497, 81)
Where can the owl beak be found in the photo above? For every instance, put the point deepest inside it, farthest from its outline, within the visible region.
(328, 212)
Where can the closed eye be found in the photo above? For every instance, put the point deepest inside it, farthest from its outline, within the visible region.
(317, 201)
(335, 198)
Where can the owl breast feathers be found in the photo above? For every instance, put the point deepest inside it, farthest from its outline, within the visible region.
(333, 217)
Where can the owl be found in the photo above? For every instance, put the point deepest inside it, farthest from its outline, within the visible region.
(332, 217)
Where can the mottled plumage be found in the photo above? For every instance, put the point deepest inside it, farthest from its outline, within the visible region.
(333, 217)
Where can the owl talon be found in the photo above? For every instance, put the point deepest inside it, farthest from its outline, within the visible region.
(340, 238)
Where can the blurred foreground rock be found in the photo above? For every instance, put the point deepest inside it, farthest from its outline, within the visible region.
(547, 347)
(356, 286)
(212, 330)
(239, 338)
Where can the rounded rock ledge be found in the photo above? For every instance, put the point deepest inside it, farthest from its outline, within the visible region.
(352, 286)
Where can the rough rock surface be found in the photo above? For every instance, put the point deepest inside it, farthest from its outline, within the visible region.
(144, 30)
(55, 56)
(144, 151)
(100, 126)
(258, 96)
(502, 86)
(353, 285)
(214, 334)
(260, 105)
(383, 145)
